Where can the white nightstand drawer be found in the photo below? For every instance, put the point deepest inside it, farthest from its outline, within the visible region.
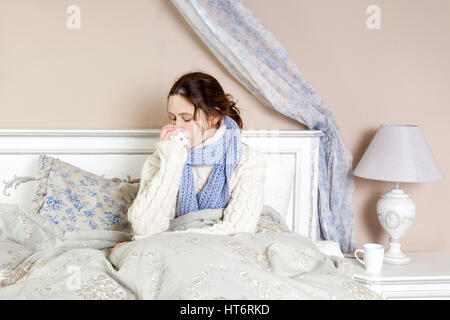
(427, 276)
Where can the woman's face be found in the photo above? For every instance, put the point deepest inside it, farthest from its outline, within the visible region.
(181, 113)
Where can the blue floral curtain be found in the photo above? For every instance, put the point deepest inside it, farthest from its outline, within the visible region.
(252, 54)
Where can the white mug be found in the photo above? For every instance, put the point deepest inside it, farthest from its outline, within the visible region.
(373, 257)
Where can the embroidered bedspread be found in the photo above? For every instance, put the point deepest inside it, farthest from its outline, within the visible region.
(40, 261)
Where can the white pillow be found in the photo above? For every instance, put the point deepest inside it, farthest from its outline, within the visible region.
(328, 247)
(279, 180)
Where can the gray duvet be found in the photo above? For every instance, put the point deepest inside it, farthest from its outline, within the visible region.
(40, 261)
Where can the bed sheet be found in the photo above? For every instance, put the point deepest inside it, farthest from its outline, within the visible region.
(40, 261)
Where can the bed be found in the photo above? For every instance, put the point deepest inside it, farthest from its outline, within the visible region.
(41, 259)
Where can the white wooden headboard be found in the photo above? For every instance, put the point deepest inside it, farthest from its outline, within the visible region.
(292, 155)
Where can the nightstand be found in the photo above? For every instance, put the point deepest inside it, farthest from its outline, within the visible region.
(427, 276)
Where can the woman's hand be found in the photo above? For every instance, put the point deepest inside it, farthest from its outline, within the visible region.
(117, 246)
(167, 131)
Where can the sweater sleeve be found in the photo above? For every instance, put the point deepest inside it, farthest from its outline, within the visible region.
(246, 201)
(153, 207)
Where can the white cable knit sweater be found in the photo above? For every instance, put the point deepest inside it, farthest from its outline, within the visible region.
(157, 199)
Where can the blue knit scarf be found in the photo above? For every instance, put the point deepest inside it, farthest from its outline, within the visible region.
(224, 154)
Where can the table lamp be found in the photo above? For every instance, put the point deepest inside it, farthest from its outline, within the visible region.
(397, 153)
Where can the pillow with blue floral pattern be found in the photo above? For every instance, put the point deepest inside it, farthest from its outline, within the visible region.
(77, 200)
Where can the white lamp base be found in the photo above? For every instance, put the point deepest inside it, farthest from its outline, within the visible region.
(394, 255)
(396, 212)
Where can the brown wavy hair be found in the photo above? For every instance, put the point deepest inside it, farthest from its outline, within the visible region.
(205, 93)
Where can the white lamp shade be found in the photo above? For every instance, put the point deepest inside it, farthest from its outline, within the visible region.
(398, 153)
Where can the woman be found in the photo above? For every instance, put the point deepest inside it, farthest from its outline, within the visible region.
(214, 170)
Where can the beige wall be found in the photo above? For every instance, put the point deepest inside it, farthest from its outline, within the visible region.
(115, 72)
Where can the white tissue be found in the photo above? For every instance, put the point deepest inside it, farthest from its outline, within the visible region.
(180, 137)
